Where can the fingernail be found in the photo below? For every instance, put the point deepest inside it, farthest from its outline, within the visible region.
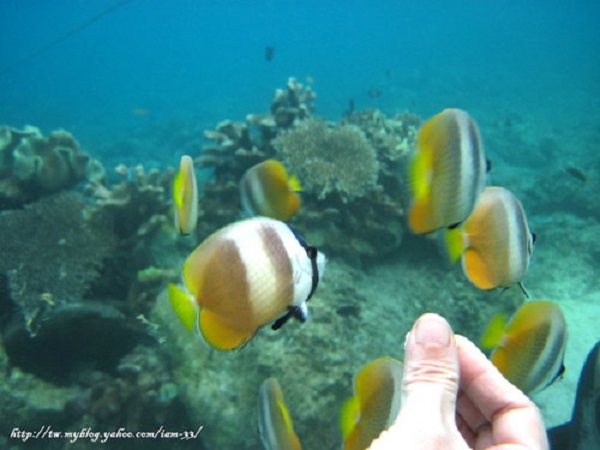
(432, 329)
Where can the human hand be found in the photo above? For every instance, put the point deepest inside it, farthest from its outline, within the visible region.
(454, 398)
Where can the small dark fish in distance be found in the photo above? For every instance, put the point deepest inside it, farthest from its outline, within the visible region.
(269, 53)
(374, 93)
(576, 173)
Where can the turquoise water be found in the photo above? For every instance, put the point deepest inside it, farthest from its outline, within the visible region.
(204, 61)
(139, 81)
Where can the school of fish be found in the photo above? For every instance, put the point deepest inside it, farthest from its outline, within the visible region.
(259, 271)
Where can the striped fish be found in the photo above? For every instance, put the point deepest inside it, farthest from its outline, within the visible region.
(244, 276)
(495, 242)
(267, 190)
(447, 172)
(529, 351)
(185, 197)
(274, 421)
(375, 404)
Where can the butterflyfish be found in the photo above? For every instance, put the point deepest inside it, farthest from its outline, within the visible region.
(529, 350)
(447, 172)
(267, 190)
(244, 276)
(274, 421)
(375, 404)
(185, 197)
(494, 243)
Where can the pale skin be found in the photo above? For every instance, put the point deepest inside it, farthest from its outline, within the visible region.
(454, 398)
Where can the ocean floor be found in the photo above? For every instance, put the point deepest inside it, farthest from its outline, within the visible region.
(362, 312)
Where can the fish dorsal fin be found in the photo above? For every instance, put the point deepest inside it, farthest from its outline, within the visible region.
(494, 332)
(419, 176)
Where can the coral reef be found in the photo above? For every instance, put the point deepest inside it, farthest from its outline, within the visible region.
(352, 173)
(338, 159)
(32, 165)
(74, 260)
(50, 255)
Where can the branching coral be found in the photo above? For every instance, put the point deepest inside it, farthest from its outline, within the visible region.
(329, 160)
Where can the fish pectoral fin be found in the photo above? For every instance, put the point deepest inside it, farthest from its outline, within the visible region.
(494, 332)
(182, 304)
(220, 334)
(524, 290)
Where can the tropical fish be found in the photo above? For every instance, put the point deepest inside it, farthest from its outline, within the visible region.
(266, 190)
(576, 173)
(244, 276)
(495, 242)
(529, 351)
(375, 404)
(185, 196)
(274, 421)
(447, 172)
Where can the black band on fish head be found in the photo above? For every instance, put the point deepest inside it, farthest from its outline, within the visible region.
(312, 254)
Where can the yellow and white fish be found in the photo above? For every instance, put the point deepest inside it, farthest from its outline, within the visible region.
(267, 190)
(494, 243)
(529, 351)
(185, 197)
(244, 276)
(375, 404)
(274, 421)
(447, 172)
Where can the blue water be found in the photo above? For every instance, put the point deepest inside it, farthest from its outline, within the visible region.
(139, 84)
(200, 62)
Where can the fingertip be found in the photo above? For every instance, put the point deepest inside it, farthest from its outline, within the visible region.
(432, 328)
(430, 367)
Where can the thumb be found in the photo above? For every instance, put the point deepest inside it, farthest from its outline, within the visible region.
(429, 388)
(431, 373)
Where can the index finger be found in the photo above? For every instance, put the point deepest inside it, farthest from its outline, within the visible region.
(514, 417)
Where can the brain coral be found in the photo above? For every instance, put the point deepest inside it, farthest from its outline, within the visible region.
(329, 160)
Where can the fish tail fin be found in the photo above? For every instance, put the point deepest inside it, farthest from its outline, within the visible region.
(349, 415)
(182, 303)
(294, 183)
(454, 243)
(494, 332)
